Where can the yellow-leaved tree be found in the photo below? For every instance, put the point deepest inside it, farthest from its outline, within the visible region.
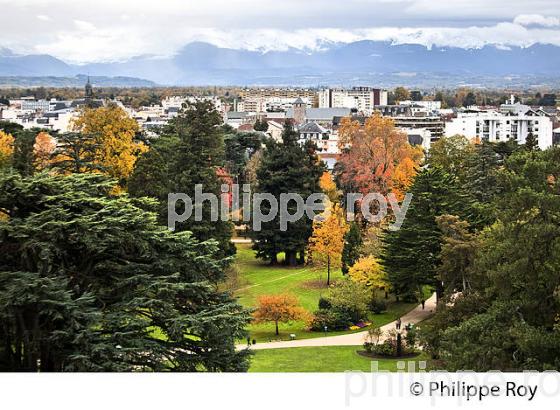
(6, 148)
(113, 131)
(327, 240)
(369, 272)
(328, 186)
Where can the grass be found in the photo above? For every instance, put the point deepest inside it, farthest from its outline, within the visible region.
(321, 359)
(306, 283)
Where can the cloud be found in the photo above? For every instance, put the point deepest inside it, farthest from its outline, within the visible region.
(537, 20)
(108, 30)
(84, 25)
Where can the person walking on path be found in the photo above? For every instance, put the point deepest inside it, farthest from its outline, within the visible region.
(398, 324)
(423, 304)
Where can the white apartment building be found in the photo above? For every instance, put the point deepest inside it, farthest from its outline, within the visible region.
(498, 126)
(361, 99)
(434, 106)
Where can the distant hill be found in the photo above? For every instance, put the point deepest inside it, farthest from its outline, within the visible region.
(75, 81)
(345, 64)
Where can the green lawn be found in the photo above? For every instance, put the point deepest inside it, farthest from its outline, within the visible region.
(321, 359)
(306, 283)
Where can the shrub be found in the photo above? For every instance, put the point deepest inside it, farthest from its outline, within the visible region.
(378, 306)
(324, 303)
(387, 348)
(410, 338)
(332, 319)
(349, 299)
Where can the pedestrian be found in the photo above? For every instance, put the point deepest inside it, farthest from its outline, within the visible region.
(399, 323)
(248, 341)
(423, 304)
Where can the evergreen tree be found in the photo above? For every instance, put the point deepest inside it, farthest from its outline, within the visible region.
(22, 159)
(531, 142)
(75, 153)
(352, 245)
(90, 282)
(510, 319)
(260, 125)
(411, 255)
(286, 167)
(188, 153)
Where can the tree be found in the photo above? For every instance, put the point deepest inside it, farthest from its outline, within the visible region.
(327, 240)
(286, 167)
(375, 151)
(328, 186)
(23, 157)
(260, 125)
(43, 150)
(457, 254)
(6, 148)
(278, 309)
(75, 153)
(411, 255)
(470, 100)
(350, 299)
(451, 154)
(189, 152)
(114, 133)
(239, 149)
(91, 282)
(352, 245)
(369, 272)
(401, 94)
(531, 142)
(9, 127)
(511, 320)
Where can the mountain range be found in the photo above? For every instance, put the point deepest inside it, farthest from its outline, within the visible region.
(334, 64)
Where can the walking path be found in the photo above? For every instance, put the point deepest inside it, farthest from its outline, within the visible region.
(415, 316)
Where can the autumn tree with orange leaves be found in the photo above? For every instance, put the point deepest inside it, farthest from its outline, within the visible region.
(43, 150)
(278, 309)
(376, 157)
(327, 240)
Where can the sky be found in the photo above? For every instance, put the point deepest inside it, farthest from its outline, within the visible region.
(80, 31)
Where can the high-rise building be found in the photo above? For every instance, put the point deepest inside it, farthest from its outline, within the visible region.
(360, 99)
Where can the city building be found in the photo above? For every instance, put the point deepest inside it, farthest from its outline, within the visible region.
(508, 123)
(359, 99)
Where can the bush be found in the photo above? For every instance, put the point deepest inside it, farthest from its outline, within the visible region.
(349, 299)
(324, 303)
(378, 306)
(387, 348)
(410, 338)
(332, 319)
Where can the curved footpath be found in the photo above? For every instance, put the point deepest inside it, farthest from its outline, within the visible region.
(415, 316)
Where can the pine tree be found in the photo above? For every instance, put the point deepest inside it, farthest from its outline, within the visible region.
(352, 245)
(411, 255)
(286, 167)
(531, 142)
(90, 282)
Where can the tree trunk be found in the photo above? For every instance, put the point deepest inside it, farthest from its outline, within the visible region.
(301, 257)
(328, 270)
(291, 258)
(277, 328)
